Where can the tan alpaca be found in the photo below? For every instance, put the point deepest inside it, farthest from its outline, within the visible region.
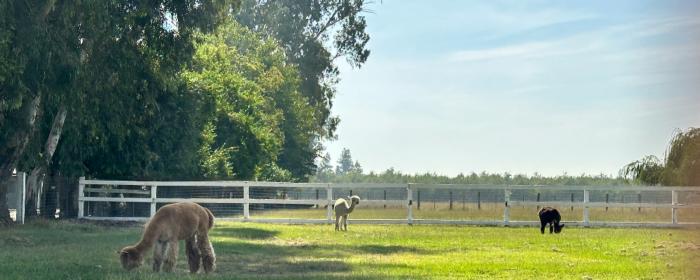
(178, 221)
(342, 209)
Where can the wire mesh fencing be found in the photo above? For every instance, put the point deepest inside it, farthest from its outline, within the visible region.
(396, 203)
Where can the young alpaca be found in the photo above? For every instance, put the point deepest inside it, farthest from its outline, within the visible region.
(342, 209)
(173, 222)
(549, 215)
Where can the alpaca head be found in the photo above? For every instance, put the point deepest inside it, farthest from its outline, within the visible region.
(558, 228)
(130, 258)
(354, 200)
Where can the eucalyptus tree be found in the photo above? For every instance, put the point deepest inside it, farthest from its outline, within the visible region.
(313, 35)
(258, 108)
(95, 83)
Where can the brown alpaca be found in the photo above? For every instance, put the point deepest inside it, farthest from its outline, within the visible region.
(178, 221)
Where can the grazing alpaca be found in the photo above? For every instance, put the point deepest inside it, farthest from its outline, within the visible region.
(173, 222)
(549, 215)
(342, 209)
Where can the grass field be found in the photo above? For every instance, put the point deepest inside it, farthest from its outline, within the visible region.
(491, 212)
(64, 250)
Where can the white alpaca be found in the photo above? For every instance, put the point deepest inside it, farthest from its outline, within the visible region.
(342, 209)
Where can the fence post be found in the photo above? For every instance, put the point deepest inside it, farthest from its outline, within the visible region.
(586, 199)
(409, 202)
(81, 196)
(607, 197)
(639, 199)
(246, 201)
(572, 201)
(329, 207)
(674, 210)
(538, 200)
(418, 200)
(506, 211)
(21, 197)
(154, 191)
(450, 200)
(478, 200)
(385, 199)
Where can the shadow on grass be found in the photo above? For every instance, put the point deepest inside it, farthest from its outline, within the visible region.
(248, 259)
(244, 233)
(387, 250)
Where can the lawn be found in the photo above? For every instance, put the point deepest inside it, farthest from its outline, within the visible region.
(66, 250)
(489, 212)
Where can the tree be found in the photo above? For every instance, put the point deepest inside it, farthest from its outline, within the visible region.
(313, 34)
(258, 112)
(683, 159)
(345, 163)
(325, 169)
(681, 166)
(96, 74)
(357, 168)
(648, 170)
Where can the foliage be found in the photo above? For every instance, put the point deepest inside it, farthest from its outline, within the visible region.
(393, 176)
(304, 29)
(681, 166)
(325, 169)
(683, 159)
(648, 170)
(258, 109)
(345, 164)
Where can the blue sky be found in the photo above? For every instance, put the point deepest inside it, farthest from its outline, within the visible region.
(520, 87)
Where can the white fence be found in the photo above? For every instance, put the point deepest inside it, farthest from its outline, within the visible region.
(266, 197)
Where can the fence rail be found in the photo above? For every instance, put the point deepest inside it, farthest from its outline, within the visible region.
(408, 196)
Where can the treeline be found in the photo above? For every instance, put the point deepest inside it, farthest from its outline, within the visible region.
(681, 167)
(129, 89)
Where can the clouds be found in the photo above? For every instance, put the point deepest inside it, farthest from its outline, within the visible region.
(506, 87)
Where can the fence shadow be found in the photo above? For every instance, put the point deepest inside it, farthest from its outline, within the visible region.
(245, 233)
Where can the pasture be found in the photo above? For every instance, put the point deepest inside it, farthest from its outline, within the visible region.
(68, 250)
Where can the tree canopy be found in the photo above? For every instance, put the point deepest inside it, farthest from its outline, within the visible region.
(681, 166)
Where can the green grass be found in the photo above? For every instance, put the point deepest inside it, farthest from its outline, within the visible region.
(491, 212)
(63, 250)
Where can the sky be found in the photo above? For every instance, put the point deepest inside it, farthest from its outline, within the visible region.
(521, 87)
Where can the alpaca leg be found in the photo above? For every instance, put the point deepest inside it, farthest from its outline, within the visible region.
(208, 256)
(543, 225)
(193, 256)
(337, 222)
(158, 253)
(345, 222)
(171, 256)
(551, 228)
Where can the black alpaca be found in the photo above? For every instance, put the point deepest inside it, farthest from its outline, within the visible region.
(549, 215)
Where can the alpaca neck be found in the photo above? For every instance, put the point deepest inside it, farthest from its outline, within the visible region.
(352, 207)
(149, 237)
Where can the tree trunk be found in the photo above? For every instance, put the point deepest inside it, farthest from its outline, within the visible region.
(7, 165)
(34, 179)
(35, 186)
(5, 219)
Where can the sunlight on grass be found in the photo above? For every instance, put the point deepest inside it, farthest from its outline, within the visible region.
(267, 251)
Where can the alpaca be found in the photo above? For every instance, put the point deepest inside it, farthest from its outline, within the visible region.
(342, 209)
(549, 215)
(178, 221)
